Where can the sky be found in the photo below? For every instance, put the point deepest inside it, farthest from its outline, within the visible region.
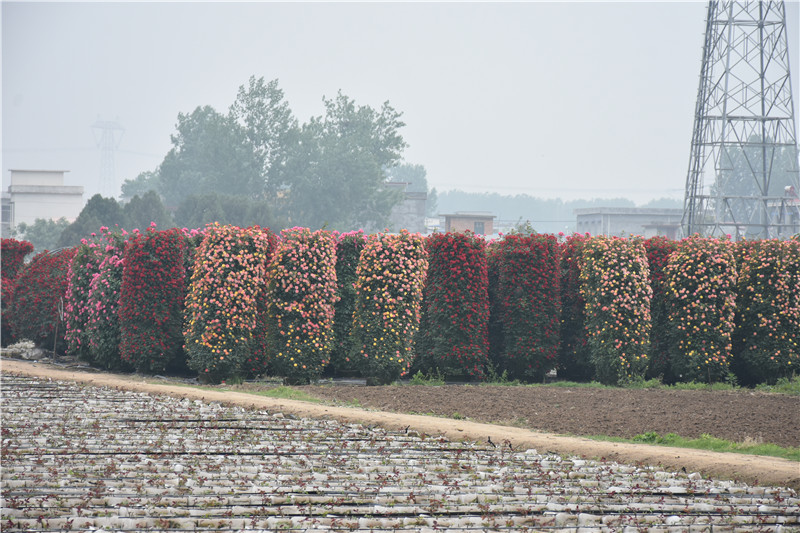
(555, 100)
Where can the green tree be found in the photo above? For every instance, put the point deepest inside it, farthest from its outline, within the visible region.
(142, 210)
(210, 154)
(269, 127)
(43, 233)
(337, 171)
(97, 212)
(198, 210)
(145, 181)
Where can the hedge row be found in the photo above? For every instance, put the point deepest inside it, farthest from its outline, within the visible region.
(243, 302)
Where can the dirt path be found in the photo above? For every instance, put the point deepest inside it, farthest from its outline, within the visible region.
(751, 469)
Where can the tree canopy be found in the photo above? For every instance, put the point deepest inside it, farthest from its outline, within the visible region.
(330, 171)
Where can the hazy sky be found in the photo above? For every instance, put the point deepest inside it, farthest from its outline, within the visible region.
(571, 100)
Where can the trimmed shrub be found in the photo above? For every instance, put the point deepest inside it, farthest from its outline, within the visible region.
(391, 273)
(152, 299)
(574, 360)
(302, 294)
(82, 270)
(348, 250)
(38, 299)
(659, 249)
(767, 336)
(228, 280)
(701, 297)
(102, 325)
(453, 336)
(12, 257)
(615, 285)
(528, 293)
(495, 327)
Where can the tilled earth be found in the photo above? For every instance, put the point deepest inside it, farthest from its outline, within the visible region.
(738, 416)
(86, 458)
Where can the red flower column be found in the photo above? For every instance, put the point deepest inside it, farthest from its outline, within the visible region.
(530, 305)
(151, 301)
(39, 292)
(574, 361)
(453, 335)
(12, 258)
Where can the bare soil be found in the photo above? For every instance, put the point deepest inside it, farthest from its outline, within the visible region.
(580, 411)
(738, 416)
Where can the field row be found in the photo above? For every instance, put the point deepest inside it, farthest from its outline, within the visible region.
(79, 458)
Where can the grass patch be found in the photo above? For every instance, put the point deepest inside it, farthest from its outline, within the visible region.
(783, 386)
(707, 442)
(434, 378)
(286, 393)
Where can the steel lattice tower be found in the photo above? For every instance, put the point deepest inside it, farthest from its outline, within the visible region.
(108, 140)
(744, 129)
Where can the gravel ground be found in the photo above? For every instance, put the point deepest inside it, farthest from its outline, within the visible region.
(81, 458)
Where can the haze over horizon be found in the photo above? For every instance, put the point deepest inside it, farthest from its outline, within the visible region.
(568, 100)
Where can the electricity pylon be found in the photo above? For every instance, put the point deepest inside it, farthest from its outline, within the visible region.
(108, 135)
(744, 136)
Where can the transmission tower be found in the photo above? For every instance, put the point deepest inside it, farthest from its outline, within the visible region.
(108, 135)
(744, 129)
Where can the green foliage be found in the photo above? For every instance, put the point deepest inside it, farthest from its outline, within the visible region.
(432, 378)
(348, 250)
(789, 386)
(615, 285)
(44, 234)
(142, 211)
(210, 154)
(337, 172)
(701, 280)
(270, 130)
(195, 211)
(140, 185)
(302, 293)
(453, 334)
(97, 212)
(391, 273)
(711, 443)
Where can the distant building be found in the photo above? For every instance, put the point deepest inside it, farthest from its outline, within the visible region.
(624, 221)
(409, 214)
(36, 194)
(478, 222)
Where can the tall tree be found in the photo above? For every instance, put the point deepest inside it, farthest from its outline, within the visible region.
(43, 233)
(138, 186)
(97, 212)
(338, 169)
(269, 127)
(210, 154)
(145, 209)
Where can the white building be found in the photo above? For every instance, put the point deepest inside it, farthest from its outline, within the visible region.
(36, 194)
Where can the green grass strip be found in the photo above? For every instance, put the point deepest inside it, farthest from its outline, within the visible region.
(709, 443)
